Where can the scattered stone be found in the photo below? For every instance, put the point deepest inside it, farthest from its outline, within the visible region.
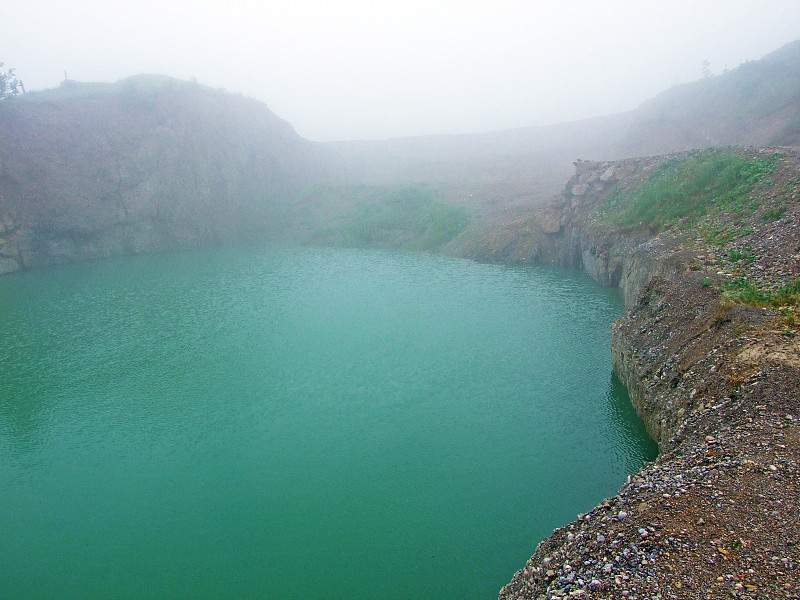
(718, 386)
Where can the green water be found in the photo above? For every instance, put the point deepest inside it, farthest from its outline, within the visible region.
(255, 423)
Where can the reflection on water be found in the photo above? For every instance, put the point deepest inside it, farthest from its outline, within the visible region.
(633, 442)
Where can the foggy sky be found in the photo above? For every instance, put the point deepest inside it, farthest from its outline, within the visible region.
(368, 69)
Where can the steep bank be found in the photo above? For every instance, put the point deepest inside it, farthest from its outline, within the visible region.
(562, 232)
(709, 351)
(151, 164)
(147, 164)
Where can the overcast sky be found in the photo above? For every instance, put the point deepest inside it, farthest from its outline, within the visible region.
(352, 69)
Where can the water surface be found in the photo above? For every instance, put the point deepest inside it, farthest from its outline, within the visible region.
(256, 423)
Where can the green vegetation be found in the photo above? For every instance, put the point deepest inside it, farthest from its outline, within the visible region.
(746, 255)
(409, 218)
(687, 187)
(744, 291)
(721, 234)
(773, 214)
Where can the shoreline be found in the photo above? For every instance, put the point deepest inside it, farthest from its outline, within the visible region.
(716, 515)
(716, 382)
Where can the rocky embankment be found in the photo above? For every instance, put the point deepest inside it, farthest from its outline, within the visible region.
(144, 165)
(715, 375)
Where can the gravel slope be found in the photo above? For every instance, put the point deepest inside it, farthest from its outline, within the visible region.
(718, 382)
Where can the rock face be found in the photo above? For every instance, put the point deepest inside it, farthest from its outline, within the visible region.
(716, 382)
(562, 231)
(143, 165)
(151, 163)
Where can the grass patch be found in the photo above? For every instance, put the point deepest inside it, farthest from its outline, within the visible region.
(687, 187)
(744, 291)
(745, 255)
(719, 234)
(789, 316)
(409, 218)
(773, 214)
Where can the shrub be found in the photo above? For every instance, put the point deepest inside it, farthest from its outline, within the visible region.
(409, 218)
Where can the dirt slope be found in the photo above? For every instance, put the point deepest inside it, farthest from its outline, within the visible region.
(715, 374)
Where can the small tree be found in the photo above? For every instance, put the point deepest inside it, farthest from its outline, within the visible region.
(9, 84)
(706, 67)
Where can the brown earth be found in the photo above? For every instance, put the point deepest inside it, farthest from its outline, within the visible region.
(718, 385)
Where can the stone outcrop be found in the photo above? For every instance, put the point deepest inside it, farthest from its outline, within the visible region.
(563, 231)
(717, 384)
(147, 164)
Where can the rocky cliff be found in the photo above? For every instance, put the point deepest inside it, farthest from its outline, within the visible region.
(709, 352)
(562, 232)
(147, 164)
(151, 163)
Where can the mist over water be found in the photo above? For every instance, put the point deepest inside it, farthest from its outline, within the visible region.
(259, 423)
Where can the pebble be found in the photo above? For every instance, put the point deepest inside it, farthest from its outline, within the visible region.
(659, 529)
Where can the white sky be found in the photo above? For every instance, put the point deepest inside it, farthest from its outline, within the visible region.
(354, 69)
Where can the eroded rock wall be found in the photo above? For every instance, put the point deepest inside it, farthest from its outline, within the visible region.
(148, 164)
(671, 308)
(716, 383)
(565, 231)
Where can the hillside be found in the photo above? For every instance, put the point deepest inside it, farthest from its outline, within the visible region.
(525, 165)
(709, 352)
(151, 164)
(756, 104)
(144, 165)
(501, 176)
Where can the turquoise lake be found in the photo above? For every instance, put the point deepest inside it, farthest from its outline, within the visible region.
(300, 423)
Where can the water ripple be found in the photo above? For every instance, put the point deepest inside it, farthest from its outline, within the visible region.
(217, 423)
